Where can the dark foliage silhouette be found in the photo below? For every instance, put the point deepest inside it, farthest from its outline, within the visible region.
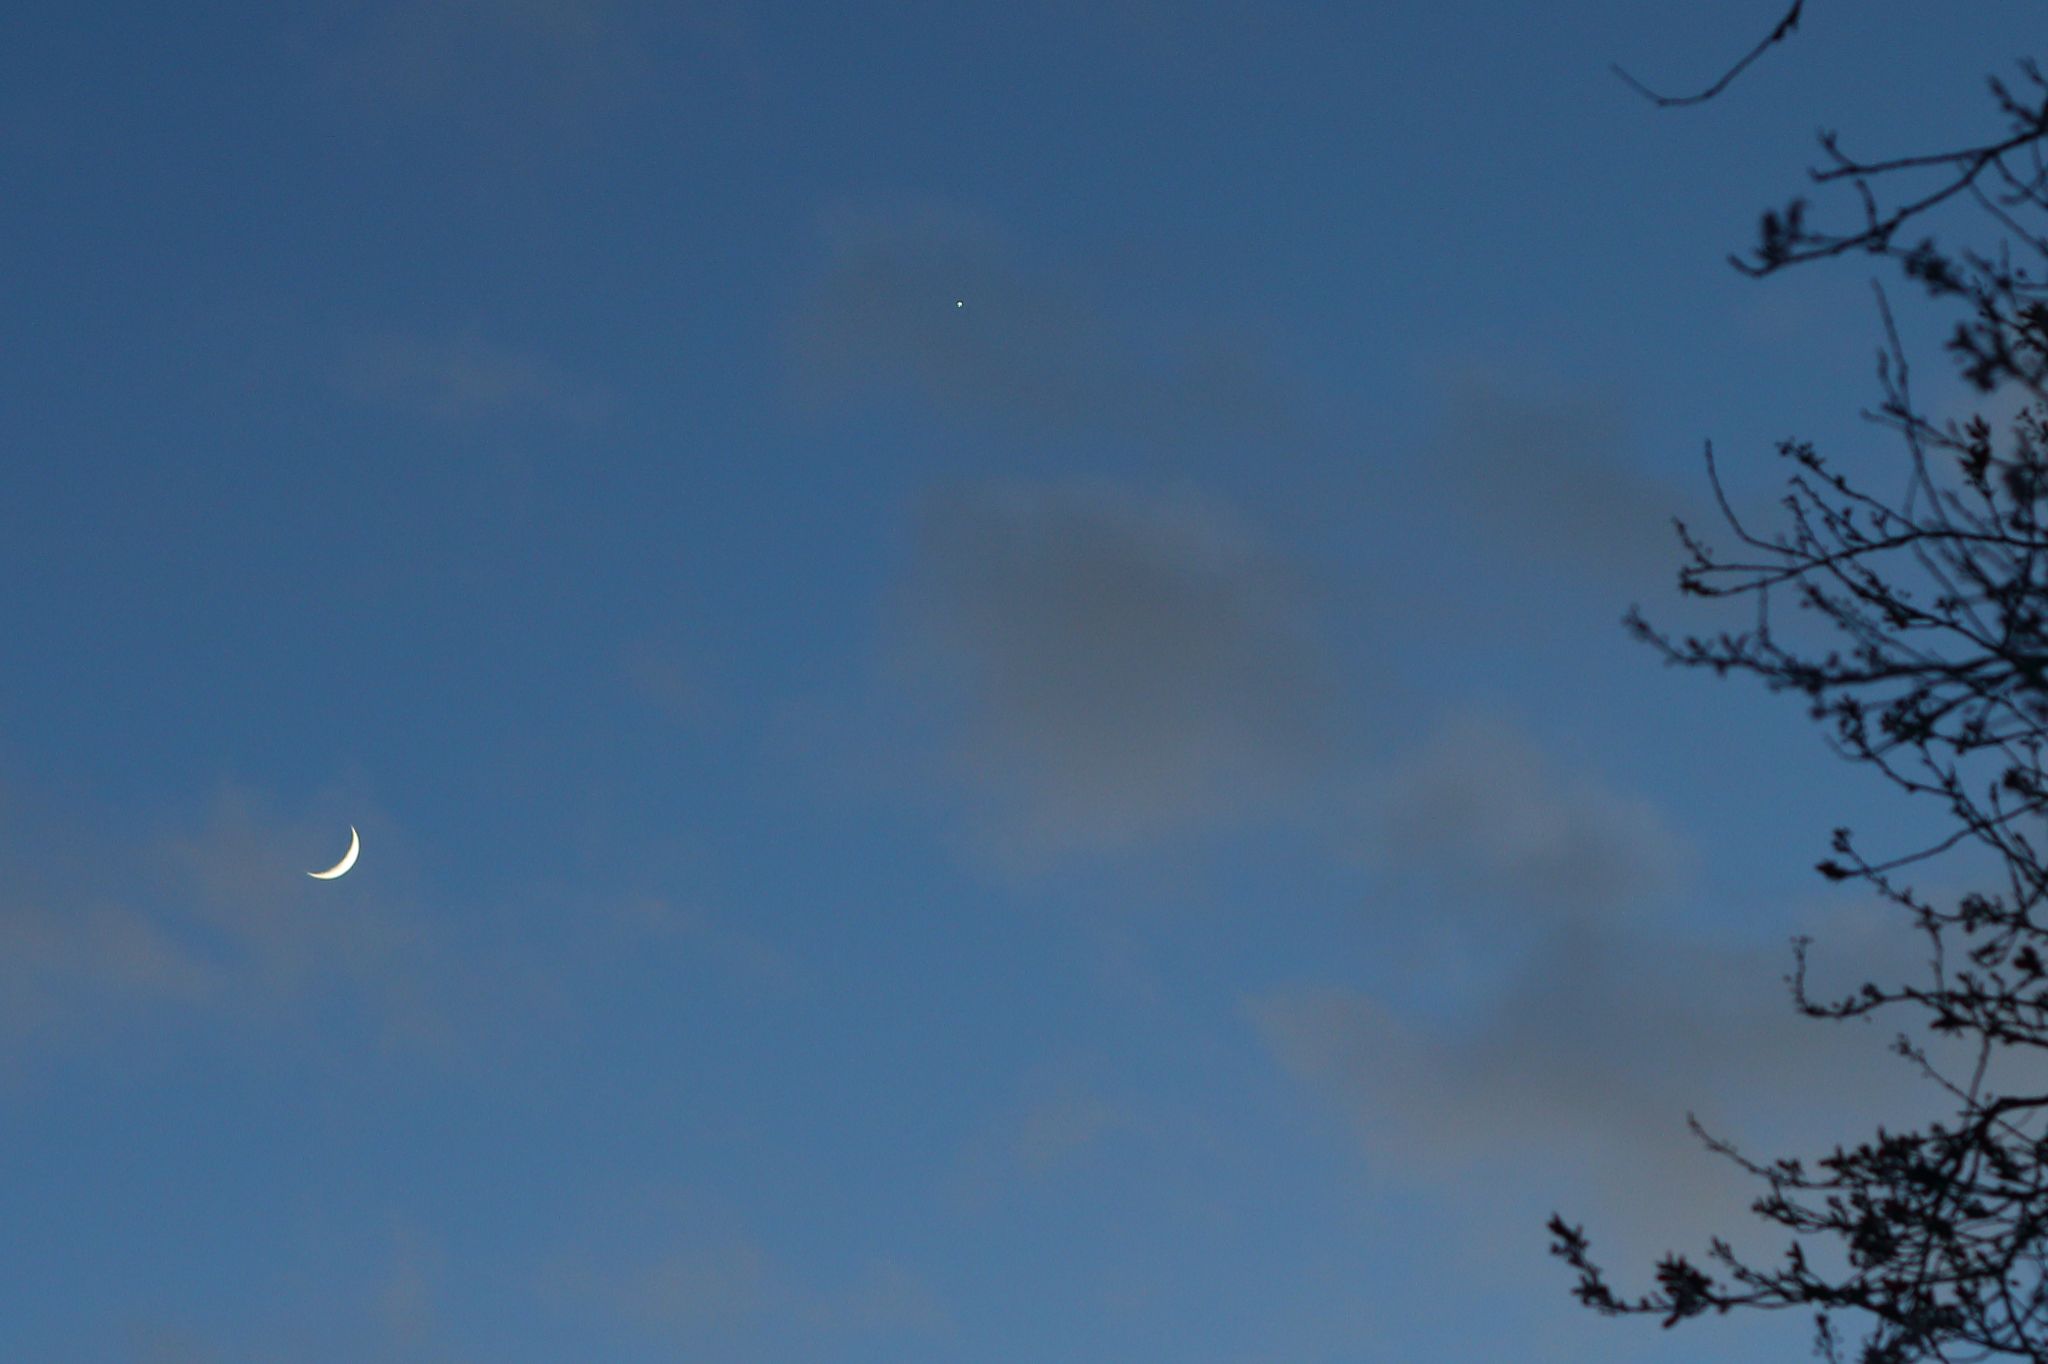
(1940, 682)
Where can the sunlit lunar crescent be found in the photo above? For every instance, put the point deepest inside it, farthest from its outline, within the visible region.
(355, 845)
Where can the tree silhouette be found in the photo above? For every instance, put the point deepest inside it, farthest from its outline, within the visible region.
(1940, 683)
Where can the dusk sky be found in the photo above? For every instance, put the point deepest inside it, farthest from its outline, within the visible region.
(977, 652)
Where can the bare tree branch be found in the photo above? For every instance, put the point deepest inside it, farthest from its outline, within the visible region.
(1777, 35)
(1938, 682)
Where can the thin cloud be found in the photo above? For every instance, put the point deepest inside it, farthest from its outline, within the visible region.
(61, 962)
(1056, 1121)
(406, 1300)
(672, 678)
(161, 1344)
(1551, 478)
(237, 879)
(1058, 1129)
(82, 945)
(1116, 668)
(937, 300)
(563, 51)
(215, 918)
(749, 962)
(1546, 1017)
(1478, 808)
(1576, 1078)
(733, 1299)
(465, 378)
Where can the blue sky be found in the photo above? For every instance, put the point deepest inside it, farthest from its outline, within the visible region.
(976, 649)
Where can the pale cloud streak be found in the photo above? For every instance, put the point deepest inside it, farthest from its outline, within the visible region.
(1058, 1119)
(749, 962)
(564, 51)
(732, 1298)
(214, 916)
(465, 377)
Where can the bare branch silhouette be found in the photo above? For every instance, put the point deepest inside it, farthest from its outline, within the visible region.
(1777, 35)
(1939, 682)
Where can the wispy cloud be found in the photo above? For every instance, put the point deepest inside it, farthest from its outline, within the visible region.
(1576, 1077)
(1551, 478)
(1058, 1118)
(406, 1299)
(1550, 1007)
(1481, 810)
(672, 678)
(1024, 346)
(155, 1343)
(553, 51)
(733, 1299)
(215, 917)
(750, 962)
(465, 377)
(1118, 667)
(237, 879)
(63, 960)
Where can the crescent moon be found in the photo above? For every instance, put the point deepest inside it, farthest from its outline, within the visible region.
(355, 845)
